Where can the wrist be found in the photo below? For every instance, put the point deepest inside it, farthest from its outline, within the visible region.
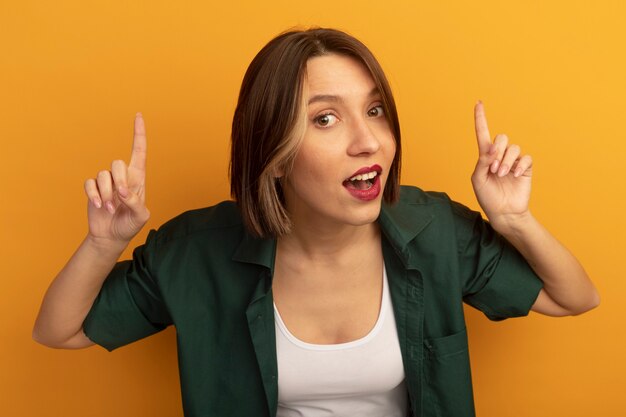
(512, 224)
(105, 245)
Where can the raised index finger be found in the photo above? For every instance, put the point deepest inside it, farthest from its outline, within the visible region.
(138, 155)
(482, 130)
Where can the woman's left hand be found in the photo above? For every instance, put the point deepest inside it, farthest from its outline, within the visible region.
(502, 176)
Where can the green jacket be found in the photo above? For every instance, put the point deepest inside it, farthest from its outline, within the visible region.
(203, 273)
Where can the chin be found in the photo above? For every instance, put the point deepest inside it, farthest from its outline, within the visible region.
(365, 216)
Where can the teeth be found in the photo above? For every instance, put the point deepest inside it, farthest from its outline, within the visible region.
(367, 176)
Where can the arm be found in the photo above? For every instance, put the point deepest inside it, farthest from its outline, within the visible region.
(501, 182)
(71, 294)
(116, 213)
(567, 288)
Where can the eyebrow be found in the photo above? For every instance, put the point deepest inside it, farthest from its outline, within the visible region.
(338, 99)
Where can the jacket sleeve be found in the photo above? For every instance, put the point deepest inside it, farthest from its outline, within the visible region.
(496, 279)
(129, 306)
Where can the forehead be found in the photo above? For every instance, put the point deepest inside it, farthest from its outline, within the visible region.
(338, 75)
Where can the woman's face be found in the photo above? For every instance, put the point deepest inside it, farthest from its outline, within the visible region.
(342, 166)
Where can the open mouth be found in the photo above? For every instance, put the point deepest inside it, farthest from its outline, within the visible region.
(362, 181)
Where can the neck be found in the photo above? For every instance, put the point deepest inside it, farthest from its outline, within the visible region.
(331, 245)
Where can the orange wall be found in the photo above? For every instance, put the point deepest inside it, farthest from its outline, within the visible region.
(73, 74)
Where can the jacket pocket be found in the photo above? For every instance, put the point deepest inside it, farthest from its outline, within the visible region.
(447, 377)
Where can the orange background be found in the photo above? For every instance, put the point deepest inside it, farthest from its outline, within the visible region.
(73, 74)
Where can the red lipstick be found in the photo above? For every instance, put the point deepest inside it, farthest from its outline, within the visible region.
(365, 190)
(365, 170)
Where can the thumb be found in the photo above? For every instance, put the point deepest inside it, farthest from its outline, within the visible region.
(134, 203)
(485, 160)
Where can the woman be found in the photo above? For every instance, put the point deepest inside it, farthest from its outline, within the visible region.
(326, 289)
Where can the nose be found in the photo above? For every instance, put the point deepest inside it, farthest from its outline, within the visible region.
(364, 140)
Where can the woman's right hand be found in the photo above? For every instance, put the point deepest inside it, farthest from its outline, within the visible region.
(116, 198)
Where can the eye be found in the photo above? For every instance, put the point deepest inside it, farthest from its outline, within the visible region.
(376, 111)
(325, 120)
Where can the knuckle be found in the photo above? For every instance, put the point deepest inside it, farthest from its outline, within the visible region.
(528, 160)
(104, 174)
(117, 163)
(501, 138)
(104, 185)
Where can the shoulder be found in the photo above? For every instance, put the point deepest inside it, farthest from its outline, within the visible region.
(411, 195)
(414, 201)
(437, 202)
(418, 210)
(221, 220)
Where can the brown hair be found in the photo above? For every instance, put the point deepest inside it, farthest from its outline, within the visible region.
(269, 122)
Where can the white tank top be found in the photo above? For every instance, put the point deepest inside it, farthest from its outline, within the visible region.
(364, 377)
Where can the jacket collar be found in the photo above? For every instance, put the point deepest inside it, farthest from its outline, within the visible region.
(256, 251)
(400, 223)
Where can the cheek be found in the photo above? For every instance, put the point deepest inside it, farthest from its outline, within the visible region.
(392, 146)
(388, 146)
(311, 163)
(384, 134)
(315, 175)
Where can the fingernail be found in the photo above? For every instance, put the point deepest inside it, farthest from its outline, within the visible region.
(110, 207)
(518, 172)
(96, 202)
(503, 170)
(479, 102)
(138, 114)
(494, 166)
(123, 192)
